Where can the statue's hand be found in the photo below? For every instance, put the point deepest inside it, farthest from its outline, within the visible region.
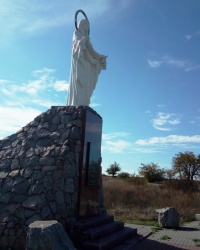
(102, 62)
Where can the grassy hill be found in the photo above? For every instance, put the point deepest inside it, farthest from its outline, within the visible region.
(136, 199)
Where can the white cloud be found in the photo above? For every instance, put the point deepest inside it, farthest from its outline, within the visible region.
(167, 60)
(116, 146)
(45, 80)
(43, 72)
(94, 104)
(146, 150)
(163, 120)
(33, 87)
(154, 64)
(114, 135)
(43, 91)
(195, 121)
(120, 143)
(7, 90)
(183, 64)
(161, 106)
(31, 16)
(174, 121)
(175, 62)
(171, 139)
(115, 142)
(12, 119)
(190, 68)
(190, 36)
(61, 85)
(45, 102)
(2, 81)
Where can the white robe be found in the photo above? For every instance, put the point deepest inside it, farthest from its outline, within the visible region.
(86, 65)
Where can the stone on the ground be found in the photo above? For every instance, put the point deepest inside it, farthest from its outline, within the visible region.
(47, 235)
(168, 217)
(197, 217)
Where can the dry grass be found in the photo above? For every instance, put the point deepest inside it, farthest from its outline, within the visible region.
(138, 200)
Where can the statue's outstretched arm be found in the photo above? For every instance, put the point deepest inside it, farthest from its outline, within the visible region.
(89, 58)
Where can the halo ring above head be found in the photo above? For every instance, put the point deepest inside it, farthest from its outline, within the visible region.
(75, 18)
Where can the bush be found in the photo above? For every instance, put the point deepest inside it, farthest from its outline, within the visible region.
(123, 175)
(184, 185)
(152, 172)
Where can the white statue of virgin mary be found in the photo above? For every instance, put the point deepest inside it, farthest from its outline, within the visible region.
(86, 65)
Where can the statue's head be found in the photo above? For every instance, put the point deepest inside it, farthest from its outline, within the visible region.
(84, 27)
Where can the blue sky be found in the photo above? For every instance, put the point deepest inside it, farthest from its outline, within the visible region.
(149, 95)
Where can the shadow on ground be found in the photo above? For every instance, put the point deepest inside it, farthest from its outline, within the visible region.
(148, 244)
(189, 229)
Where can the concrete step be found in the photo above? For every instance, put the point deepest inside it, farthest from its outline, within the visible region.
(94, 221)
(103, 230)
(111, 240)
(130, 243)
(76, 229)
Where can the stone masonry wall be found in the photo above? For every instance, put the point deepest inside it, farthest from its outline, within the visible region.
(39, 173)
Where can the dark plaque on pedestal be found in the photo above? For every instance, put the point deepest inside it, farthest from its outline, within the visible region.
(91, 169)
(93, 133)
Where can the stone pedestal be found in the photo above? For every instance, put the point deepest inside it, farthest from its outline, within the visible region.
(50, 170)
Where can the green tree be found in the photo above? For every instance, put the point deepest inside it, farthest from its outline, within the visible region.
(186, 165)
(113, 169)
(152, 172)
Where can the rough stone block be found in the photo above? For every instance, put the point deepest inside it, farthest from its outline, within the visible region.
(197, 217)
(43, 235)
(168, 217)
